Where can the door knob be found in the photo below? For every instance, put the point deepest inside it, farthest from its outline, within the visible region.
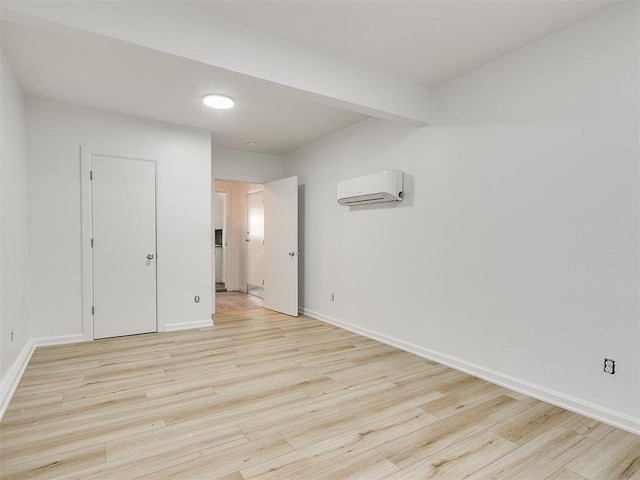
(150, 256)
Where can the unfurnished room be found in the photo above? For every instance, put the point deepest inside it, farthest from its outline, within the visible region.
(309, 239)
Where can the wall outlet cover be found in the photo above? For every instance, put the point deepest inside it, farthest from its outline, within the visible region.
(609, 366)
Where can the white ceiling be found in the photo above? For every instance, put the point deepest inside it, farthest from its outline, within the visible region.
(426, 42)
(89, 70)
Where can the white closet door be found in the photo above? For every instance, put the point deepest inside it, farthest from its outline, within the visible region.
(124, 246)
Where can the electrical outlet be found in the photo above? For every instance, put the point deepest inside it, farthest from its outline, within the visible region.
(609, 366)
(12, 334)
(196, 299)
(332, 297)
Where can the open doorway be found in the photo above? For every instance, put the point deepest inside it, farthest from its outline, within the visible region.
(220, 229)
(239, 245)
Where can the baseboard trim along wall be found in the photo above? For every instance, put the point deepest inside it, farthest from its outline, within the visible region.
(12, 378)
(596, 412)
(172, 327)
(14, 375)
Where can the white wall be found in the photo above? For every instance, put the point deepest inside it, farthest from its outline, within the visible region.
(515, 253)
(218, 210)
(55, 134)
(254, 221)
(14, 297)
(245, 166)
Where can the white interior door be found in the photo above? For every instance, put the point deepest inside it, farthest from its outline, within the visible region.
(281, 246)
(124, 246)
(255, 243)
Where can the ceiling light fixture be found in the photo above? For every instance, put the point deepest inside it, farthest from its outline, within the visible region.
(217, 100)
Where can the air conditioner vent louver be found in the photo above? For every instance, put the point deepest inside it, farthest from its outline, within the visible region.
(380, 187)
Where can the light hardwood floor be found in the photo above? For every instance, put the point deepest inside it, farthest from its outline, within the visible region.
(266, 396)
(226, 301)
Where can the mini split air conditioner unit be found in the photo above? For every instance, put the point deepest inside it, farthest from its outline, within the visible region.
(380, 187)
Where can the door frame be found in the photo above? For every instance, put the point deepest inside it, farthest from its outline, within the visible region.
(243, 179)
(226, 177)
(86, 226)
(225, 232)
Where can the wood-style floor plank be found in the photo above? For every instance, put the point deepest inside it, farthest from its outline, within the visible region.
(461, 460)
(264, 396)
(620, 460)
(540, 458)
(314, 457)
(427, 441)
(565, 474)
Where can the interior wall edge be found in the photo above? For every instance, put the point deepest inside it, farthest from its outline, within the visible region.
(559, 399)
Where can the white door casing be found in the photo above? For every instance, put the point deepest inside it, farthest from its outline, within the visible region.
(219, 214)
(281, 245)
(123, 230)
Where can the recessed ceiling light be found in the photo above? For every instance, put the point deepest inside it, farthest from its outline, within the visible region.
(217, 100)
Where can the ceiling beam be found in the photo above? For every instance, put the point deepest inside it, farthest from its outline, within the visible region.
(181, 30)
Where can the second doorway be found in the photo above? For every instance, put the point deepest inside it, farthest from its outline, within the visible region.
(239, 244)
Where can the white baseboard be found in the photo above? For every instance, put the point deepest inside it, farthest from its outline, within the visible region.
(172, 327)
(602, 414)
(59, 340)
(11, 380)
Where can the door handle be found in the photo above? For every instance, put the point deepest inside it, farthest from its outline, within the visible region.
(150, 256)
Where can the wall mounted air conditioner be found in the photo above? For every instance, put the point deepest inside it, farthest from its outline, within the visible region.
(380, 187)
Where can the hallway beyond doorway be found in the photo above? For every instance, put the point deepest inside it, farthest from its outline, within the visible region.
(227, 301)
